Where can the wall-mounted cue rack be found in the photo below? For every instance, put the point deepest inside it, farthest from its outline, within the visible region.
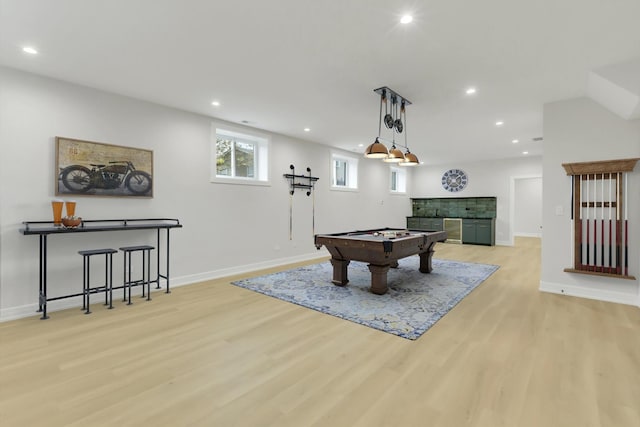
(600, 217)
(304, 182)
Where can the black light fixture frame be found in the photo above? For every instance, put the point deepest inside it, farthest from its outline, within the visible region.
(395, 98)
(393, 95)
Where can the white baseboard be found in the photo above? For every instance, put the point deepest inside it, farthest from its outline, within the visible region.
(13, 313)
(596, 294)
(247, 268)
(519, 234)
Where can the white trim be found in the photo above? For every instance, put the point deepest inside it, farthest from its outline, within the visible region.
(582, 292)
(504, 243)
(515, 234)
(246, 268)
(30, 310)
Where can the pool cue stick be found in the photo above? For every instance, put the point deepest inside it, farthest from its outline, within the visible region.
(594, 266)
(593, 246)
(602, 223)
(595, 223)
(588, 264)
(293, 188)
(313, 211)
(313, 204)
(578, 214)
(618, 231)
(573, 229)
(573, 178)
(610, 240)
(626, 229)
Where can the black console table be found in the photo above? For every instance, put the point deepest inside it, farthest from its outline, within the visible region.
(45, 228)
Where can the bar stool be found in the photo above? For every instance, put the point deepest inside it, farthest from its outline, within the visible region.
(146, 268)
(107, 288)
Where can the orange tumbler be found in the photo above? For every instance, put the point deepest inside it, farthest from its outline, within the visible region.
(56, 204)
(71, 207)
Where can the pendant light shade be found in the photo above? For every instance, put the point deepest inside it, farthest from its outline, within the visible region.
(377, 150)
(395, 156)
(410, 159)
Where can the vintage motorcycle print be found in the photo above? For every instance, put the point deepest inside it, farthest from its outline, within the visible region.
(119, 174)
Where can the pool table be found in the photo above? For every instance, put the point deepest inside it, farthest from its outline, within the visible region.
(381, 248)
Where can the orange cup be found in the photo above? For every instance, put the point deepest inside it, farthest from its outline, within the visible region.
(57, 211)
(71, 207)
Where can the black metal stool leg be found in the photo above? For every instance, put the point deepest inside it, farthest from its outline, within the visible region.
(129, 277)
(87, 291)
(148, 274)
(143, 281)
(84, 282)
(124, 276)
(106, 279)
(110, 281)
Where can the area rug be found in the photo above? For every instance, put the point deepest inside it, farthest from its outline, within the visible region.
(414, 302)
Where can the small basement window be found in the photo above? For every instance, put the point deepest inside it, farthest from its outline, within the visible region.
(344, 172)
(240, 158)
(398, 180)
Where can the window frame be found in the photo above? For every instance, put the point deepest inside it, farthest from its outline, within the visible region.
(262, 159)
(351, 163)
(401, 178)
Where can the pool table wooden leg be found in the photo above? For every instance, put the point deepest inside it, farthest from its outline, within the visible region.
(379, 278)
(425, 260)
(340, 271)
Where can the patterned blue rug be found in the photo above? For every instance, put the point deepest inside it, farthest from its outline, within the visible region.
(414, 302)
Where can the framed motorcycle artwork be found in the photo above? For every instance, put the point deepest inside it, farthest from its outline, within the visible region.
(98, 169)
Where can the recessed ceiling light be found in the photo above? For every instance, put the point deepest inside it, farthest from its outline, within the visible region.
(406, 19)
(499, 123)
(471, 91)
(515, 141)
(360, 145)
(216, 103)
(525, 152)
(307, 130)
(29, 49)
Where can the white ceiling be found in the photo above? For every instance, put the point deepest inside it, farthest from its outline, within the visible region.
(283, 65)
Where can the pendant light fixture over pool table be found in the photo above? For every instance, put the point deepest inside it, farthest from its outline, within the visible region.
(397, 123)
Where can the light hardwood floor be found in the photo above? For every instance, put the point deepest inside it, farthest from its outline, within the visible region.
(213, 354)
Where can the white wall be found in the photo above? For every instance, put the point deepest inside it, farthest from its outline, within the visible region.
(227, 228)
(579, 130)
(486, 179)
(527, 214)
